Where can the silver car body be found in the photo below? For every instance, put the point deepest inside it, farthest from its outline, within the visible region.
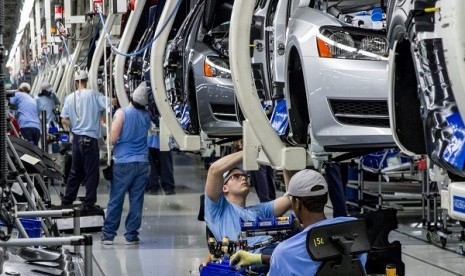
(353, 84)
(213, 97)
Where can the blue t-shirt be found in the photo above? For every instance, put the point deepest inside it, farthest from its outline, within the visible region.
(48, 104)
(84, 108)
(27, 110)
(131, 145)
(223, 218)
(153, 141)
(291, 257)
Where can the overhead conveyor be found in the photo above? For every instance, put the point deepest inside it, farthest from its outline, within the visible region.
(259, 136)
(66, 82)
(98, 53)
(66, 85)
(169, 125)
(124, 44)
(38, 79)
(54, 75)
(59, 76)
(43, 77)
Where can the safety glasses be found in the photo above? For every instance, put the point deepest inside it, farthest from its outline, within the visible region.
(237, 176)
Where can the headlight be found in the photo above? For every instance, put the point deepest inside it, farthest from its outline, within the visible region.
(215, 67)
(352, 43)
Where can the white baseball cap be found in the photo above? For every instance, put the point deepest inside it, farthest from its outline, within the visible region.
(46, 86)
(303, 182)
(140, 94)
(25, 87)
(80, 75)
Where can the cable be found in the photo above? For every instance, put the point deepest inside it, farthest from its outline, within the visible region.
(140, 51)
(78, 117)
(70, 59)
(90, 47)
(335, 4)
(48, 61)
(86, 36)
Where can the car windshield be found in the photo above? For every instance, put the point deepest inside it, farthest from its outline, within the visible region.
(220, 30)
(347, 6)
(218, 38)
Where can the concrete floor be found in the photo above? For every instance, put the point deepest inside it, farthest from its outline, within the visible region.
(173, 241)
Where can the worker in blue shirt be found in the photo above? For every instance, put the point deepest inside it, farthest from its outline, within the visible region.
(308, 193)
(131, 167)
(81, 112)
(28, 120)
(226, 193)
(161, 167)
(47, 101)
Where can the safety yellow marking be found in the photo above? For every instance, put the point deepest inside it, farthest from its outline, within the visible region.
(433, 9)
(318, 241)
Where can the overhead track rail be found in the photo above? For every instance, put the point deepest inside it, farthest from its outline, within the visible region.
(169, 125)
(98, 53)
(66, 85)
(123, 47)
(258, 133)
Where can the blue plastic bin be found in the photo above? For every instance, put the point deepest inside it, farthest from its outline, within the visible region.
(32, 227)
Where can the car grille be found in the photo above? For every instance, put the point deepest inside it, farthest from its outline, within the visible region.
(361, 113)
(225, 112)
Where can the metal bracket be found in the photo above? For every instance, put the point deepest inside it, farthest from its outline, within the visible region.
(124, 44)
(171, 124)
(258, 132)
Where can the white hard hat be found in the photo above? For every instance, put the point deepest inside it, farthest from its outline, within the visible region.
(46, 86)
(140, 94)
(25, 87)
(80, 75)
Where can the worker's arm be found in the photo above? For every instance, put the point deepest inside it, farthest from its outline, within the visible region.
(64, 114)
(283, 204)
(287, 177)
(66, 122)
(55, 98)
(266, 259)
(116, 126)
(214, 186)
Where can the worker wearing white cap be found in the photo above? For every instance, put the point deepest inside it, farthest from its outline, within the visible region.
(308, 193)
(28, 120)
(81, 112)
(47, 101)
(131, 167)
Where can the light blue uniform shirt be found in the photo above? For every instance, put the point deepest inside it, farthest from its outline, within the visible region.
(84, 108)
(291, 258)
(224, 218)
(48, 104)
(131, 145)
(27, 110)
(153, 141)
